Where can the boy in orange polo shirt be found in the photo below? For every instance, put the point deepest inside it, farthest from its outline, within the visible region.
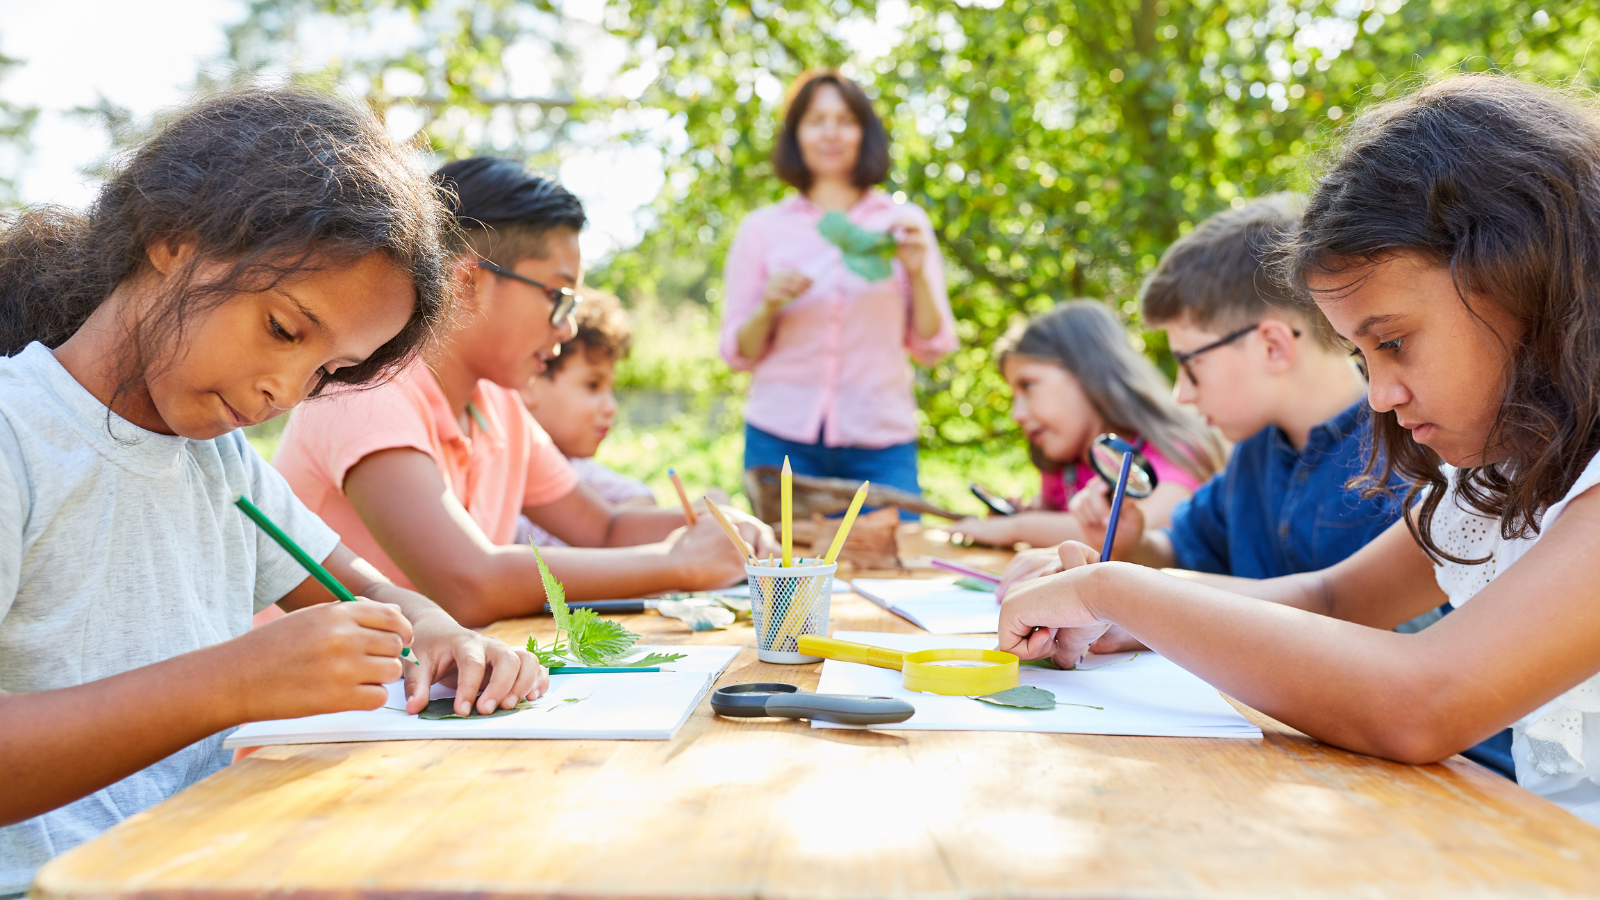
(425, 476)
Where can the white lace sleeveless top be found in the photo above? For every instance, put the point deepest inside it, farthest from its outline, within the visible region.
(1556, 747)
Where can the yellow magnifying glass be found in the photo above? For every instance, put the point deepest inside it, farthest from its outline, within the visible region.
(954, 671)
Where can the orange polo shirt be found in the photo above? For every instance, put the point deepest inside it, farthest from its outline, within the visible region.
(504, 463)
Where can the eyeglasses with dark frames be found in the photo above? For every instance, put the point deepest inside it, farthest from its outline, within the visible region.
(565, 300)
(1186, 359)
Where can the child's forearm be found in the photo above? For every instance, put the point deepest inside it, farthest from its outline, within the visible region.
(58, 746)
(1357, 687)
(1154, 550)
(631, 526)
(1046, 528)
(509, 586)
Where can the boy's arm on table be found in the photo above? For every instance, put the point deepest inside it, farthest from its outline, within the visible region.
(483, 670)
(1041, 528)
(420, 524)
(334, 658)
(583, 518)
(1527, 637)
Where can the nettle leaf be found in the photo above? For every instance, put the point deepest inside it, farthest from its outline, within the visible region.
(445, 708)
(654, 659)
(1022, 697)
(589, 639)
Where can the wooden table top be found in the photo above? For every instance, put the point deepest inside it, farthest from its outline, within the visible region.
(738, 808)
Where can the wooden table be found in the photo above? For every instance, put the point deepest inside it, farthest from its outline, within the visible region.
(736, 808)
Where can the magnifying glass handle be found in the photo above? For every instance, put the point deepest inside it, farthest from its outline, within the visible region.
(849, 651)
(845, 709)
(1116, 506)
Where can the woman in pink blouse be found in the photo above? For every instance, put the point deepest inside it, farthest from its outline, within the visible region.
(833, 386)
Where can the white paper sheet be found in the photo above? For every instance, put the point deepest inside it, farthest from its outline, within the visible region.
(1146, 695)
(629, 706)
(936, 605)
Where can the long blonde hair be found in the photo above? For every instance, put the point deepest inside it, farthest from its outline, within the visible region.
(1124, 387)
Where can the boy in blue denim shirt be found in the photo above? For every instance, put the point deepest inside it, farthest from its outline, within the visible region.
(1273, 377)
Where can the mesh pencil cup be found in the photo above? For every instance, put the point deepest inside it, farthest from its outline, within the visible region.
(786, 603)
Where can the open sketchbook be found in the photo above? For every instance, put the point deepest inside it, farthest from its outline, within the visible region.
(1140, 694)
(936, 605)
(628, 706)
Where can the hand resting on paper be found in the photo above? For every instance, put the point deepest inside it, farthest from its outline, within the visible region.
(1029, 565)
(1041, 593)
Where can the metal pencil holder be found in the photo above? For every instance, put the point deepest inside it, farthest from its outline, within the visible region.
(786, 603)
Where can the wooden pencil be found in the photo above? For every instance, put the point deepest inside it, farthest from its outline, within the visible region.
(688, 510)
(739, 543)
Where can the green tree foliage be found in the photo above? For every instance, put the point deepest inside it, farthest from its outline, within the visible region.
(16, 130)
(1059, 147)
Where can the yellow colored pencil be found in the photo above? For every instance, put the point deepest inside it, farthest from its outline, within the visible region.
(739, 543)
(688, 511)
(786, 497)
(844, 527)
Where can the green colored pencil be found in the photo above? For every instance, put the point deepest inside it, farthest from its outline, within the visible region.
(600, 670)
(339, 591)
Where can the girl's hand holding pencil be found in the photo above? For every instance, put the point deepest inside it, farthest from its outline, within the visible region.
(1048, 617)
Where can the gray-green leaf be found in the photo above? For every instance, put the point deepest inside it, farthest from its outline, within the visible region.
(1022, 697)
(866, 253)
(445, 708)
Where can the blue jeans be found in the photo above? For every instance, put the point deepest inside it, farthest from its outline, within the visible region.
(895, 466)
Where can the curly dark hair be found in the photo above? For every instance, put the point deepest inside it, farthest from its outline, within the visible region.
(272, 183)
(1498, 179)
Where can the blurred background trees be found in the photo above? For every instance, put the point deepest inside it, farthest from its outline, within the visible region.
(1058, 146)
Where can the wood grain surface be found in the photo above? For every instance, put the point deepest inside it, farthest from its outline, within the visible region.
(745, 808)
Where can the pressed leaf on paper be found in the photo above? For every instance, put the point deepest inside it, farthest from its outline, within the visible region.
(445, 708)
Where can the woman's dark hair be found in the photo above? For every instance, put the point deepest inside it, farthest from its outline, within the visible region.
(1499, 180)
(1124, 387)
(270, 183)
(502, 211)
(872, 160)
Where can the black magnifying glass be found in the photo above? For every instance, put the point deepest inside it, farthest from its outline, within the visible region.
(1105, 457)
(1134, 476)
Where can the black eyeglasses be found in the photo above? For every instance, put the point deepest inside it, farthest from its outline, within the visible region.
(1184, 359)
(565, 300)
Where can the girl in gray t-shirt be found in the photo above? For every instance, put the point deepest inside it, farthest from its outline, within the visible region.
(259, 247)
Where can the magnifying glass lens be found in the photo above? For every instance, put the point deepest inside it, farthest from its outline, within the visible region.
(1105, 457)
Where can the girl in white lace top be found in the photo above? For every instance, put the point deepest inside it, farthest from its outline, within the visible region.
(1455, 242)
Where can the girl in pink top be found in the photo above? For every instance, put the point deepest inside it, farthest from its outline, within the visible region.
(828, 345)
(1074, 375)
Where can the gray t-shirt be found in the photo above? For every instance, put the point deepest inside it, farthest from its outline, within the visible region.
(120, 548)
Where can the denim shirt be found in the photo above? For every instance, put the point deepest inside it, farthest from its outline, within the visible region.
(1274, 511)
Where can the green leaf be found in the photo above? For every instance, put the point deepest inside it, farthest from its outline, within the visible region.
(1022, 697)
(554, 593)
(590, 640)
(445, 708)
(654, 659)
(866, 253)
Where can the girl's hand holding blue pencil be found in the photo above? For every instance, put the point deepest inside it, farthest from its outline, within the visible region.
(1048, 617)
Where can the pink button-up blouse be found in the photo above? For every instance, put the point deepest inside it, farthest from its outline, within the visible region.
(836, 360)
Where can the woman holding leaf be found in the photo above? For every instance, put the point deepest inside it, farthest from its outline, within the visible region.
(828, 291)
